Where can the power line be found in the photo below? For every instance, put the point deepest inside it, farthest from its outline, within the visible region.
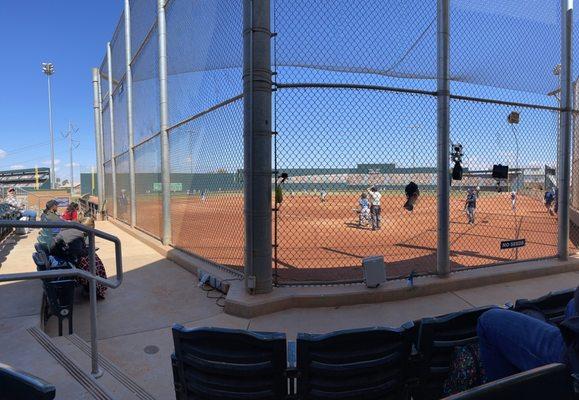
(28, 147)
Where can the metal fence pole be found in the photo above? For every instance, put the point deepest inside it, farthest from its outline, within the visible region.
(97, 129)
(111, 111)
(101, 144)
(129, 89)
(566, 126)
(95, 370)
(443, 198)
(165, 165)
(257, 144)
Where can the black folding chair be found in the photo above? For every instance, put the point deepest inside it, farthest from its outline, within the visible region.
(551, 306)
(15, 384)
(60, 299)
(220, 364)
(372, 363)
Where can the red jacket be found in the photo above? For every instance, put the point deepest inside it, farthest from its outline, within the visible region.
(70, 216)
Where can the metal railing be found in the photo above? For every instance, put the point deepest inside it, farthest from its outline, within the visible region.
(90, 276)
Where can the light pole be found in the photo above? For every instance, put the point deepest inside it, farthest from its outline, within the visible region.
(48, 69)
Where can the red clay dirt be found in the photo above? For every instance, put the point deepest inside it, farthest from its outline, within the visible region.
(321, 241)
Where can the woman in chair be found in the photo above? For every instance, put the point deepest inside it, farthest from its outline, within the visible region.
(70, 246)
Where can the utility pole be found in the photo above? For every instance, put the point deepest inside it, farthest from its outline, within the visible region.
(72, 144)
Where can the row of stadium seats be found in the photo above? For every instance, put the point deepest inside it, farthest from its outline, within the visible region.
(412, 361)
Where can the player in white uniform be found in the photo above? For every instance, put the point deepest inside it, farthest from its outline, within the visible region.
(375, 198)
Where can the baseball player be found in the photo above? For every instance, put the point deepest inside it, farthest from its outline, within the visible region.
(364, 210)
(323, 195)
(549, 197)
(470, 205)
(203, 195)
(514, 200)
(375, 209)
(412, 193)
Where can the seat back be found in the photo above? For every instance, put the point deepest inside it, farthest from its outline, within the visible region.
(15, 384)
(41, 261)
(219, 364)
(437, 339)
(551, 381)
(368, 364)
(552, 305)
(60, 295)
(41, 248)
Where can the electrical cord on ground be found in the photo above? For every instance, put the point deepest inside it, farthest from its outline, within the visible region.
(220, 298)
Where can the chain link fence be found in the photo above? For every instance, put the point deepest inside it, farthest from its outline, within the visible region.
(354, 108)
(123, 187)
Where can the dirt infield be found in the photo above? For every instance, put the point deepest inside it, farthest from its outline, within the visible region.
(321, 241)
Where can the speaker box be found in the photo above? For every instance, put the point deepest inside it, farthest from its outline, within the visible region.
(374, 271)
(500, 171)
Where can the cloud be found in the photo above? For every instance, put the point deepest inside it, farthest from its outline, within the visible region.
(74, 164)
(3, 153)
(17, 166)
(47, 162)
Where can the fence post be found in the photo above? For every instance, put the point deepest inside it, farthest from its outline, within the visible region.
(443, 126)
(95, 370)
(566, 126)
(101, 144)
(97, 130)
(257, 144)
(129, 89)
(112, 121)
(164, 116)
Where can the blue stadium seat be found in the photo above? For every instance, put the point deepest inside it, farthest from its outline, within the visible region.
(438, 337)
(551, 306)
(547, 382)
(371, 363)
(15, 384)
(227, 364)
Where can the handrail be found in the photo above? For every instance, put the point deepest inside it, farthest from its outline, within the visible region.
(90, 276)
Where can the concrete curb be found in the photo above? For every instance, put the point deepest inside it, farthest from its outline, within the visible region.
(241, 304)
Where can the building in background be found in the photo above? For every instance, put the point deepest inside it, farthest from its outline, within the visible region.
(27, 179)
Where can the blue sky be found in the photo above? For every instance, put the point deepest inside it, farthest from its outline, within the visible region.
(377, 44)
(70, 34)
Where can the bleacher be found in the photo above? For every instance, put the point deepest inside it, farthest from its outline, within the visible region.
(412, 361)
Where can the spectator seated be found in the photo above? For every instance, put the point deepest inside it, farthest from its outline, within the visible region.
(438, 339)
(371, 363)
(219, 364)
(551, 381)
(15, 384)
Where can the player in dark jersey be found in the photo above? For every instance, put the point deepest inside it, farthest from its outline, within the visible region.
(470, 205)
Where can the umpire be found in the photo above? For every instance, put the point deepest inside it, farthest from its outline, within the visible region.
(375, 198)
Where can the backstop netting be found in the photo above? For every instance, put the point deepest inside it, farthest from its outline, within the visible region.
(354, 107)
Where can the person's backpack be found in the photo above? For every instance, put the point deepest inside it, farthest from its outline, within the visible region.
(466, 370)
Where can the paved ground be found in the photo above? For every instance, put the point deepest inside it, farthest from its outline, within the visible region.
(157, 293)
(19, 310)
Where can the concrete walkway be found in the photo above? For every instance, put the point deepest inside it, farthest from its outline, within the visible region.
(20, 304)
(135, 320)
